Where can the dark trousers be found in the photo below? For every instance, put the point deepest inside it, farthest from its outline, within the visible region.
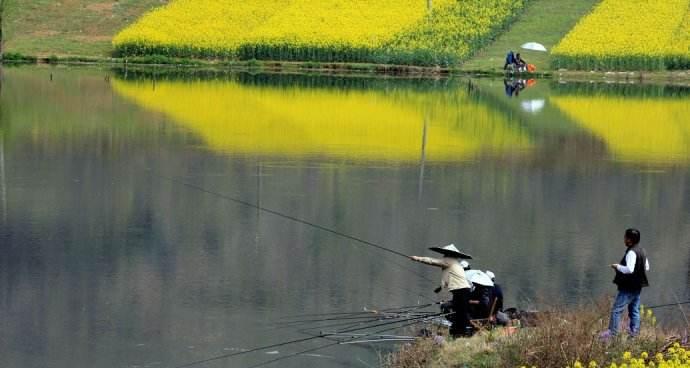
(460, 318)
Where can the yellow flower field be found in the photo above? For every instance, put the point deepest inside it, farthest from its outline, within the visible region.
(403, 31)
(352, 23)
(629, 34)
(343, 124)
(197, 26)
(457, 30)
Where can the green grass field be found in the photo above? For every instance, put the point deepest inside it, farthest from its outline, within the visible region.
(543, 21)
(68, 27)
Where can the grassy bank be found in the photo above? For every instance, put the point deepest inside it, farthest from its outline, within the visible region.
(41, 28)
(76, 31)
(543, 21)
(163, 63)
(561, 338)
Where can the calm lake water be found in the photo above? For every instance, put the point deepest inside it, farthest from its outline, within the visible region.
(108, 260)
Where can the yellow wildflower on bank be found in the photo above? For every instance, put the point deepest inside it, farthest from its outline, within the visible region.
(629, 35)
(676, 357)
(559, 338)
(401, 31)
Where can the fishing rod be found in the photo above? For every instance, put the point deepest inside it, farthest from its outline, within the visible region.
(372, 315)
(415, 321)
(349, 324)
(309, 331)
(305, 321)
(292, 218)
(364, 314)
(667, 305)
(352, 313)
(260, 348)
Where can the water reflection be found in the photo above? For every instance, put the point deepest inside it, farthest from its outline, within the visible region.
(635, 129)
(103, 264)
(392, 122)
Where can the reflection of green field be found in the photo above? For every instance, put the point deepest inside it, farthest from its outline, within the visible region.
(371, 124)
(545, 122)
(74, 108)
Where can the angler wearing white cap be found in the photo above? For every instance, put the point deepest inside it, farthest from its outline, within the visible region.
(497, 301)
(453, 280)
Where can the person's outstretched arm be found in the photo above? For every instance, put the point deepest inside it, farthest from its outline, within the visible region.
(431, 261)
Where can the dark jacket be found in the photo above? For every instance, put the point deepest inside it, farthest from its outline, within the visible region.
(497, 298)
(483, 295)
(635, 281)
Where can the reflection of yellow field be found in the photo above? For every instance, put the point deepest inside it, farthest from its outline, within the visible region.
(635, 129)
(350, 124)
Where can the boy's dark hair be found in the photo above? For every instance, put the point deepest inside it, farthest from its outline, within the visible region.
(633, 235)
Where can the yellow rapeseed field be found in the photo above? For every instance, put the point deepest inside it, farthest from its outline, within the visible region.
(189, 27)
(629, 34)
(458, 29)
(403, 31)
(351, 23)
(344, 124)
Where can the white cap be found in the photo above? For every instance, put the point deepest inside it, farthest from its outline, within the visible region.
(464, 264)
(490, 274)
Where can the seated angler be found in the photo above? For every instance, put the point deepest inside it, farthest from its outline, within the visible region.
(499, 316)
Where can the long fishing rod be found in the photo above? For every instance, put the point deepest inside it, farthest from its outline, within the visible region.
(359, 315)
(292, 218)
(358, 312)
(667, 305)
(343, 323)
(305, 321)
(380, 313)
(310, 331)
(305, 339)
(350, 324)
(415, 321)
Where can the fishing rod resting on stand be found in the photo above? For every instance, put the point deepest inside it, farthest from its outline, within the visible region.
(310, 338)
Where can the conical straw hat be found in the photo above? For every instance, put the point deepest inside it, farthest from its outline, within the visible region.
(451, 251)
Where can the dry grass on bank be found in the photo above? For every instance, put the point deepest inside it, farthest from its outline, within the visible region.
(562, 338)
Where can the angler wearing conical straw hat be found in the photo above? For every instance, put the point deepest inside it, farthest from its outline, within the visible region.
(453, 279)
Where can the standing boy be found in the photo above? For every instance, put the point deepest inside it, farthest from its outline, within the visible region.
(631, 277)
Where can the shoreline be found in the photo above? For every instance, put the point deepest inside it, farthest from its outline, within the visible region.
(558, 337)
(673, 77)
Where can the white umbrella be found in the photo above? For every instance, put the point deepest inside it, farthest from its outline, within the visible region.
(533, 106)
(535, 46)
(478, 277)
